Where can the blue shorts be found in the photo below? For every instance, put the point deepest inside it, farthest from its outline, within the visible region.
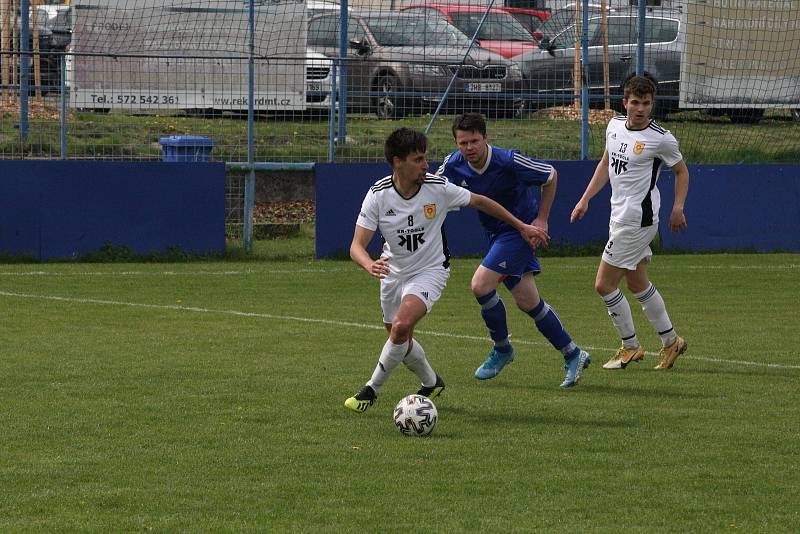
(510, 255)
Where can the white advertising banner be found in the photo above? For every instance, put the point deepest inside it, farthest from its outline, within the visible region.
(741, 53)
(183, 54)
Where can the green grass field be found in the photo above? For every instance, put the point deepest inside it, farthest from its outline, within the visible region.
(208, 397)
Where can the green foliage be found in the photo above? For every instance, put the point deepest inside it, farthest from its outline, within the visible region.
(208, 397)
(703, 139)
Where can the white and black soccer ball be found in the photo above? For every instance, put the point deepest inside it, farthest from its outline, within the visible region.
(415, 415)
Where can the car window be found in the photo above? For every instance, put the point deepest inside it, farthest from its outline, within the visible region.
(561, 19)
(497, 26)
(324, 31)
(415, 31)
(530, 22)
(622, 31)
(659, 30)
(426, 11)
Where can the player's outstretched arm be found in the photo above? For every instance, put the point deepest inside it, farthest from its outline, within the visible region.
(599, 180)
(533, 235)
(358, 252)
(677, 219)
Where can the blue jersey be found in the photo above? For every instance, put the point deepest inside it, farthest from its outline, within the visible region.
(508, 178)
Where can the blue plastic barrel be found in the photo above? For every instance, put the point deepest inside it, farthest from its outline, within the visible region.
(186, 147)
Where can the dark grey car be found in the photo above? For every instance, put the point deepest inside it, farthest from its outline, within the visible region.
(400, 63)
(549, 71)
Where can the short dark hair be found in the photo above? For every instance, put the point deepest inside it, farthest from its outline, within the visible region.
(639, 86)
(470, 122)
(403, 142)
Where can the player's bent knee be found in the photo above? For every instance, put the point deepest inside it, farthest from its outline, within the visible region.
(401, 330)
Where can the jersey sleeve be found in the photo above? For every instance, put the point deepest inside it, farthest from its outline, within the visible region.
(531, 171)
(668, 150)
(368, 216)
(457, 197)
(442, 170)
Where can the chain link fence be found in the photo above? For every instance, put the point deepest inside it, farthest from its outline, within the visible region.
(284, 84)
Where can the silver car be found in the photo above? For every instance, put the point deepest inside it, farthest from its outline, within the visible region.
(399, 63)
(549, 71)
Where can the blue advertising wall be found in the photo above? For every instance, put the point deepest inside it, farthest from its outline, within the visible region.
(730, 207)
(57, 209)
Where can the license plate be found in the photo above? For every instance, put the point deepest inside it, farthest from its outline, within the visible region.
(483, 87)
(314, 86)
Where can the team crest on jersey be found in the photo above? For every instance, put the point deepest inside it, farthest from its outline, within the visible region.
(638, 147)
(430, 210)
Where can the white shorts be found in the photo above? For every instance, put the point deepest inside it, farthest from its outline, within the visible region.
(628, 245)
(427, 286)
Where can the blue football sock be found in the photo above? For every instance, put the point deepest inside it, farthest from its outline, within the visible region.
(493, 312)
(549, 324)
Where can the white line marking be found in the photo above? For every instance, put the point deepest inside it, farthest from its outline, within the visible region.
(237, 313)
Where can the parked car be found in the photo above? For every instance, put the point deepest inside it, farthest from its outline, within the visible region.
(562, 18)
(55, 32)
(531, 19)
(401, 63)
(549, 71)
(500, 32)
(318, 80)
(317, 7)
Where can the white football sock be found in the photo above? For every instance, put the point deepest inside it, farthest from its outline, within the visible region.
(620, 312)
(656, 312)
(416, 361)
(391, 355)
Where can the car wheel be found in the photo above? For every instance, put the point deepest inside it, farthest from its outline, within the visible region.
(387, 104)
(745, 116)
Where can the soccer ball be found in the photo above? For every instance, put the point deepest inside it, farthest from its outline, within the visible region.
(415, 415)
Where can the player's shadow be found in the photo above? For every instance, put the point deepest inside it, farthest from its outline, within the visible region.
(494, 417)
(627, 389)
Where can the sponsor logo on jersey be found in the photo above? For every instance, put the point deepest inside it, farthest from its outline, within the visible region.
(502, 264)
(390, 213)
(464, 183)
(430, 210)
(613, 135)
(425, 294)
(638, 147)
(362, 214)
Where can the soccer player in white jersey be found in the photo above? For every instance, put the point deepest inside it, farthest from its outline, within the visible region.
(408, 208)
(510, 178)
(636, 149)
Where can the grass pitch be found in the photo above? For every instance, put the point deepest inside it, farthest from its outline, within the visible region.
(208, 397)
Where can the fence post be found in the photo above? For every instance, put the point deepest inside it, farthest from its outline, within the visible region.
(62, 112)
(250, 180)
(344, 45)
(332, 115)
(24, 68)
(585, 81)
(641, 38)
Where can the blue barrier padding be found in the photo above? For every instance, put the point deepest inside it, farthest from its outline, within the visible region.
(340, 189)
(57, 209)
(736, 207)
(730, 208)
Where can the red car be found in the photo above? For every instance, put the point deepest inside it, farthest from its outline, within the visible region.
(500, 32)
(530, 18)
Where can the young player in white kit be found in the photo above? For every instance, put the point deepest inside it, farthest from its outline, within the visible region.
(636, 149)
(408, 208)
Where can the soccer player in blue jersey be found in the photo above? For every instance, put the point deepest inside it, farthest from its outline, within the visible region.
(510, 179)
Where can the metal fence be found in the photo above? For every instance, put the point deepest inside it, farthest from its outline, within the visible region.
(285, 84)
